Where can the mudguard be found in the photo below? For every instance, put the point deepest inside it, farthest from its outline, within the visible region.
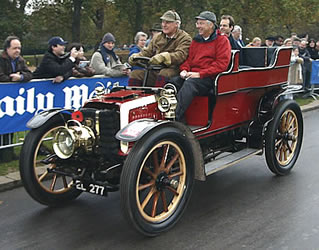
(134, 131)
(42, 117)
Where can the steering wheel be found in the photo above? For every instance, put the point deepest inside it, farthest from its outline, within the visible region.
(143, 61)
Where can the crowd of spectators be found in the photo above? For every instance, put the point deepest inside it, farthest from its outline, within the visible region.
(60, 62)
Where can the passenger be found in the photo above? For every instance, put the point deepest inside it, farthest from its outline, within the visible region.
(169, 48)
(156, 29)
(12, 66)
(140, 41)
(209, 54)
(237, 35)
(226, 26)
(256, 42)
(269, 41)
(105, 62)
(81, 67)
(279, 41)
(55, 63)
(287, 42)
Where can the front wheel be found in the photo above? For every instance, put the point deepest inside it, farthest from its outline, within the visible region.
(284, 137)
(157, 181)
(37, 158)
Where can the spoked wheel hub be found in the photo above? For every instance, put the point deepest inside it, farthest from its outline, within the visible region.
(163, 181)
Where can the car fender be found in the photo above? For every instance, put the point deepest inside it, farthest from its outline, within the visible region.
(42, 117)
(134, 131)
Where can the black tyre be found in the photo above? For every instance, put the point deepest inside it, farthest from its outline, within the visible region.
(284, 137)
(157, 181)
(47, 188)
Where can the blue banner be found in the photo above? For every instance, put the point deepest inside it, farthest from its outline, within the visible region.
(19, 102)
(315, 72)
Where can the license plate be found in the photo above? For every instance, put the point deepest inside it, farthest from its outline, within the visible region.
(90, 188)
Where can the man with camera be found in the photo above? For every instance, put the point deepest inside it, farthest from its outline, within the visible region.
(55, 63)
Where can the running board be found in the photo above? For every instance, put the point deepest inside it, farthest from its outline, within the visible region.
(229, 160)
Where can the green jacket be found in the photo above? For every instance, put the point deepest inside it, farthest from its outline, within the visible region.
(177, 47)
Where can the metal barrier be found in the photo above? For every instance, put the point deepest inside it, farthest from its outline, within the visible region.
(12, 140)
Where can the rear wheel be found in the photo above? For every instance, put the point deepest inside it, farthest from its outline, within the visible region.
(284, 137)
(156, 181)
(37, 159)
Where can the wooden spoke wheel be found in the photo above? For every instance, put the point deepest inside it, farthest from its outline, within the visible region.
(284, 137)
(156, 181)
(37, 159)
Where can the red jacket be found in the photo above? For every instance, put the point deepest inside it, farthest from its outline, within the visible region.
(208, 57)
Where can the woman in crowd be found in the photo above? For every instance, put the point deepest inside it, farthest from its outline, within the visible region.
(140, 41)
(82, 67)
(295, 69)
(287, 42)
(312, 49)
(105, 61)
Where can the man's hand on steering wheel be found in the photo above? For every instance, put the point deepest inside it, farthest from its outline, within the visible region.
(161, 58)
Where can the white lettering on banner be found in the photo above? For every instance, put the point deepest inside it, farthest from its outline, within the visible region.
(30, 100)
(8, 104)
(8, 107)
(41, 101)
(75, 96)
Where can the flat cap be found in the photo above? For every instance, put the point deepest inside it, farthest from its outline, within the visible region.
(207, 15)
(170, 16)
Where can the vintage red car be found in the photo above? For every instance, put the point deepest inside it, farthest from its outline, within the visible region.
(128, 140)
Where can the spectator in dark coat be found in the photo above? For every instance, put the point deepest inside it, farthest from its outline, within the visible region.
(12, 66)
(312, 49)
(55, 63)
(156, 29)
(81, 67)
(304, 54)
(12, 69)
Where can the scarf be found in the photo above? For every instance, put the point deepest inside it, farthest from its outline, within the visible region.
(106, 54)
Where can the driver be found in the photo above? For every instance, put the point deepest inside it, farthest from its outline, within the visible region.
(169, 47)
(209, 54)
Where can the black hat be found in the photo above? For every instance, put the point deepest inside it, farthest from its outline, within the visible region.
(156, 27)
(108, 37)
(56, 40)
(207, 15)
(270, 38)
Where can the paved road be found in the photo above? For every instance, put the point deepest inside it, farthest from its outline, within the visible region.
(243, 207)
